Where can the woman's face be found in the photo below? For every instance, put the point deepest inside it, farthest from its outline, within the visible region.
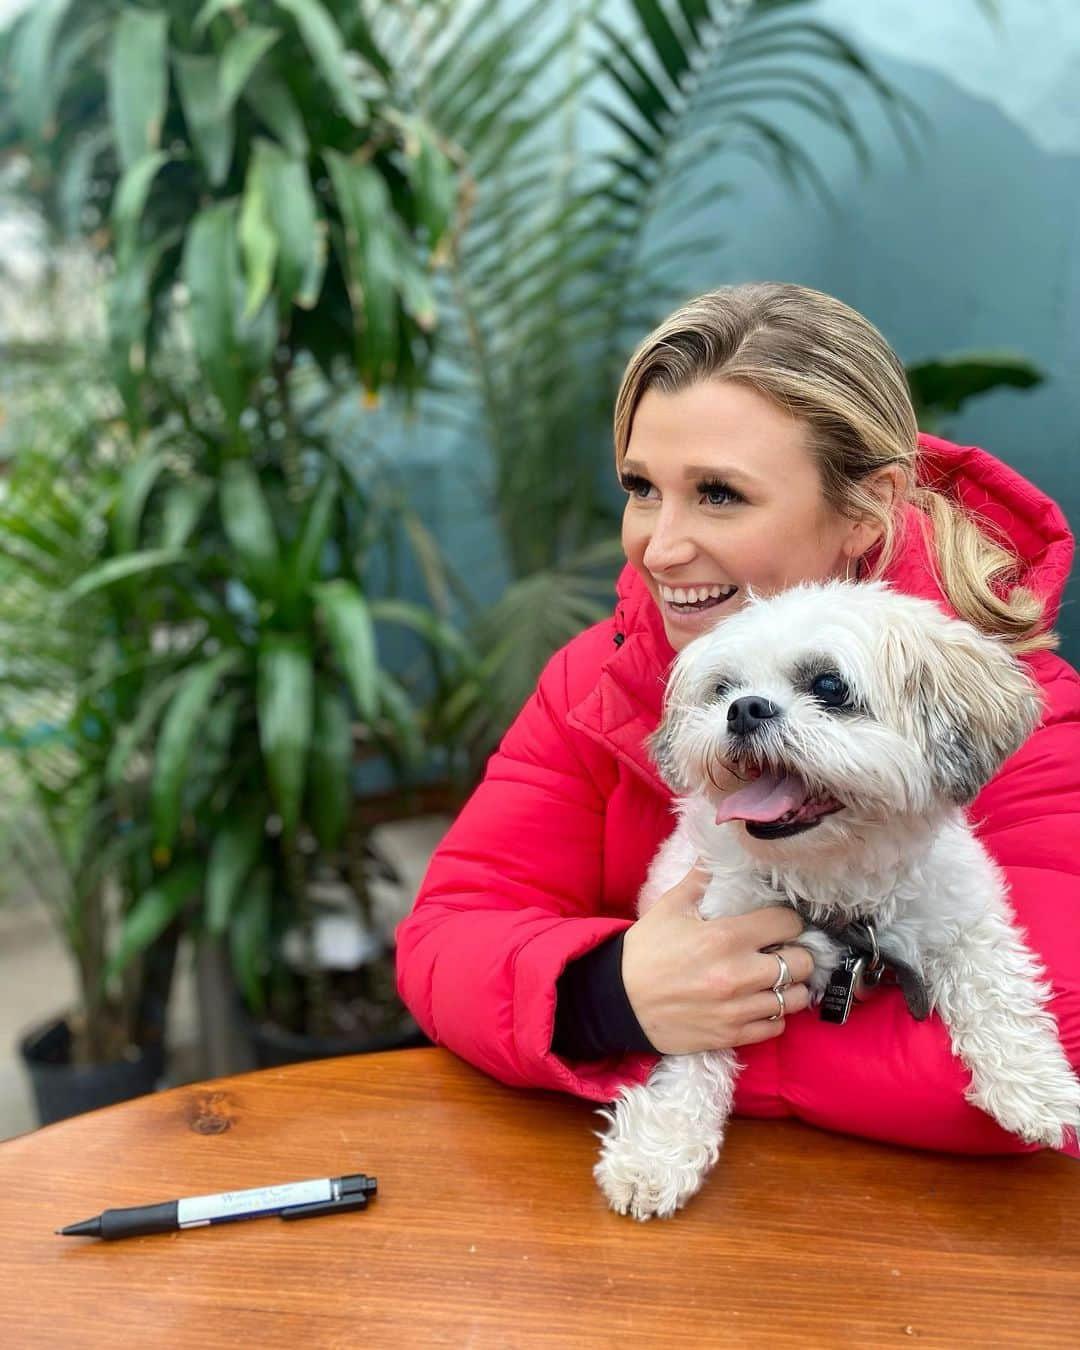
(723, 494)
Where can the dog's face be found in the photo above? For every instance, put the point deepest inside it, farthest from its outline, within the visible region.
(839, 705)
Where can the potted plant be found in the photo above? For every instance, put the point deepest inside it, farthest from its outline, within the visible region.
(73, 833)
(269, 227)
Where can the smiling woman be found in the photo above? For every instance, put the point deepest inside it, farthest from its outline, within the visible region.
(765, 437)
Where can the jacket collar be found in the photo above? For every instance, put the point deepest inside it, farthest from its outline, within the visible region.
(624, 706)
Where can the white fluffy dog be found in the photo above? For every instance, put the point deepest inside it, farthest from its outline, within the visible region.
(825, 741)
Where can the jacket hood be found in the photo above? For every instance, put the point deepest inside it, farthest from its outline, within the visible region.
(627, 702)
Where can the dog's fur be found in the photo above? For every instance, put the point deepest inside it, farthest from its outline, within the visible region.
(934, 710)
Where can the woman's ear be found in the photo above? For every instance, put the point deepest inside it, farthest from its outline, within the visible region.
(887, 486)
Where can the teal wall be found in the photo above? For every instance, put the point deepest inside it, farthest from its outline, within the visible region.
(975, 244)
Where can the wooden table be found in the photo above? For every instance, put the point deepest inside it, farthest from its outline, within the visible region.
(489, 1231)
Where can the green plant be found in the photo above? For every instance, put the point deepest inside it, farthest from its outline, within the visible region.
(942, 385)
(70, 834)
(264, 222)
(301, 201)
(183, 735)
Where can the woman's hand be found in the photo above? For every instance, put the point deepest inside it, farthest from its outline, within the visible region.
(705, 984)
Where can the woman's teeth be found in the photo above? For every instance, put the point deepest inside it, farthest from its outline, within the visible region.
(702, 597)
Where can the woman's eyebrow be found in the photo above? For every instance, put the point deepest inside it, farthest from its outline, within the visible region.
(693, 471)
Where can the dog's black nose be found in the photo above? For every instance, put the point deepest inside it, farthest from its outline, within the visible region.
(747, 714)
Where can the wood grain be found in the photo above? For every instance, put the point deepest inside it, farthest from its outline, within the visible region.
(488, 1229)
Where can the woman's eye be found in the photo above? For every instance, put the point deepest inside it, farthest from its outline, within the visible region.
(830, 689)
(635, 485)
(717, 494)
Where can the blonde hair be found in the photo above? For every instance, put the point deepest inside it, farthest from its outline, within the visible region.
(831, 368)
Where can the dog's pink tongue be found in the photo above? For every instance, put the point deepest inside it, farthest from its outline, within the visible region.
(766, 798)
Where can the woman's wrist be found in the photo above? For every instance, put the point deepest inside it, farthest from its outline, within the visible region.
(593, 1015)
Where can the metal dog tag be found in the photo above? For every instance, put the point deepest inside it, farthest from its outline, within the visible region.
(840, 991)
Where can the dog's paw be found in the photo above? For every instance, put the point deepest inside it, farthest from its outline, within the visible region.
(1044, 1111)
(644, 1186)
(827, 955)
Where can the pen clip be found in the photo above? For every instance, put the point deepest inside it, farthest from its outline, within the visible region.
(339, 1206)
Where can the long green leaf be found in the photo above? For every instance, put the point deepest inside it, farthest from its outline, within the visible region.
(414, 284)
(323, 39)
(242, 54)
(407, 741)
(121, 569)
(152, 913)
(370, 262)
(249, 938)
(272, 102)
(258, 241)
(136, 486)
(74, 177)
(138, 82)
(210, 11)
(291, 210)
(128, 300)
(130, 201)
(32, 65)
(946, 383)
(329, 789)
(284, 693)
(307, 554)
(311, 286)
(436, 632)
(210, 270)
(178, 739)
(209, 119)
(183, 504)
(435, 179)
(128, 739)
(674, 56)
(646, 96)
(347, 617)
(249, 525)
(233, 854)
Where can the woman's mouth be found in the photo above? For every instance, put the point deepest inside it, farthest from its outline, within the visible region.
(695, 599)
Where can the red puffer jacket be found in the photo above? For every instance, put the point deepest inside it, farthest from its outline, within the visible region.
(546, 860)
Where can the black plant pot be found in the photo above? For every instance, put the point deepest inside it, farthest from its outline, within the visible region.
(62, 1089)
(273, 1045)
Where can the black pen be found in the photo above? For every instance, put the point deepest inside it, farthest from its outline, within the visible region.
(292, 1200)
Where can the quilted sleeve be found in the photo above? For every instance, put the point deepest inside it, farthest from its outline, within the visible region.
(889, 1077)
(510, 897)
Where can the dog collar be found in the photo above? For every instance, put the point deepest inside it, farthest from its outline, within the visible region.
(860, 937)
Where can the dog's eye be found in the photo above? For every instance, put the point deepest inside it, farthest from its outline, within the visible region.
(830, 689)
(721, 688)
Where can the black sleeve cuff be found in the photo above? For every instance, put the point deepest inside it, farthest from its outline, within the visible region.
(593, 1016)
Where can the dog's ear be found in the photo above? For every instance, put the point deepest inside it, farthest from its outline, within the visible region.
(661, 747)
(971, 702)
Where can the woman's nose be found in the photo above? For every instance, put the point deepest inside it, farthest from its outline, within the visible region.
(670, 545)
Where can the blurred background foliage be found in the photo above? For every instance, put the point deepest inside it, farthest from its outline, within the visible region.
(451, 214)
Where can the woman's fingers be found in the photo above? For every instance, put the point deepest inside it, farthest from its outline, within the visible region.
(759, 1011)
(765, 927)
(765, 970)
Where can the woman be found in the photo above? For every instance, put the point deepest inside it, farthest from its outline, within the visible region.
(764, 436)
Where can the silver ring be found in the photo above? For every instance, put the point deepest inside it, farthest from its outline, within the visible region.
(783, 975)
(781, 1010)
